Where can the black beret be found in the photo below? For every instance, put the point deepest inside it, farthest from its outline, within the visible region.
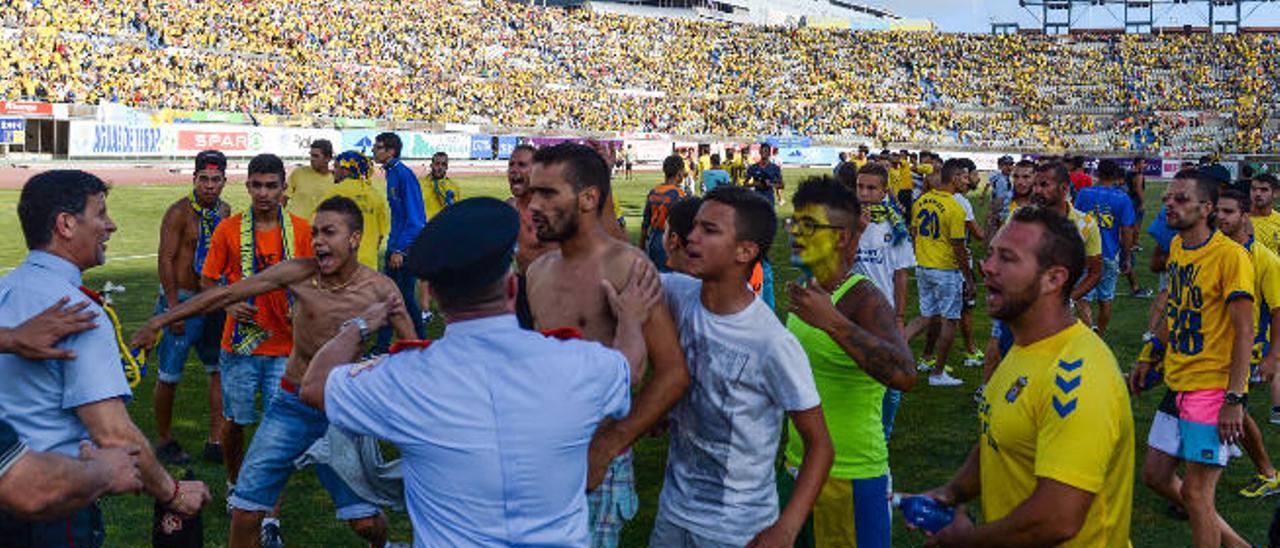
(468, 245)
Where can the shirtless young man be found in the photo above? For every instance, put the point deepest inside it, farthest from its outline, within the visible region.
(185, 234)
(528, 246)
(569, 184)
(327, 290)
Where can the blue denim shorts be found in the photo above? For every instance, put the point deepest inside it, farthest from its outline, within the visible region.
(287, 431)
(1106, 289)
(243, 378)
(941, 292)
(171, 353)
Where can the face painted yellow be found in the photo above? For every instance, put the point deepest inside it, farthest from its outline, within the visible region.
(818, 251)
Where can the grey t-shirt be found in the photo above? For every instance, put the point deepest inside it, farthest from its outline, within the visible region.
(746, 370)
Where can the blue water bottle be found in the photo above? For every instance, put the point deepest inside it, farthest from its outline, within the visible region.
(924, 513)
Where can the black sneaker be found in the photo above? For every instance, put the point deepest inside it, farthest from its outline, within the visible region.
(171, 453)
(212, 452)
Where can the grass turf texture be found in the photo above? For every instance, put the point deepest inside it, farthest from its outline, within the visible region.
(936, 427)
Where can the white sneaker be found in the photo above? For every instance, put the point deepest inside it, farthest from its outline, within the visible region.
(944, 380)
(926, 365)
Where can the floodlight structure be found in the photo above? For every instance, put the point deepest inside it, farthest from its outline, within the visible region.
(1140, 16)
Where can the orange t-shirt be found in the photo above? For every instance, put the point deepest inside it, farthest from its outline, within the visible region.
(273, 307)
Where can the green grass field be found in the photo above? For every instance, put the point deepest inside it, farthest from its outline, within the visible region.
(935, 429)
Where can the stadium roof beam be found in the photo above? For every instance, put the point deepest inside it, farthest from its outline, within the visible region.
(1223, 16)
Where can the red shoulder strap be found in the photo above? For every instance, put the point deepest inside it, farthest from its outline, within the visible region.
(563, 333)
(92, 295)
(419, 344)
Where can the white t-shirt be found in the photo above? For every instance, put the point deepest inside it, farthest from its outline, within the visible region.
(965, 205)
(879, 258)
(746, 371)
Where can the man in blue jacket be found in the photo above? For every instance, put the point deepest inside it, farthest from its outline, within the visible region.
(404, 197)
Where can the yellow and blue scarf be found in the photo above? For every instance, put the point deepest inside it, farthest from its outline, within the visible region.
(246, 336)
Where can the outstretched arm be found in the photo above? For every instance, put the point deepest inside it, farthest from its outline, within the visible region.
(278, 276)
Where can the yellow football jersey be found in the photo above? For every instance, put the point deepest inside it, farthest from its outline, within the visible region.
(1267, 230)
(938, 221)
(377, 217)
(305, 188)
(1089, 231)
(436, 195)
(1266, 269)
(1202, 280)
(1059, 409)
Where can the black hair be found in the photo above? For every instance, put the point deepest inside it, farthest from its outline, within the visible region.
(680, 217)
(1060, 245)
(825, 191)
(49, 194)
(1057, 172)
(968, 164)
(1240, 197)
(345, 206)
(455, 300)
(525, 147)
(440, 153)
(1269, 179)
(1024, 163)
(1109, 170)
(715, 159)
(267, 163)
(951, 169)
(391, 141)
(583, 167)
(672, 166)
(847, 174)
(211, 157)
(754, 219)
(326, 147)
(1206, 185)
(875, 170)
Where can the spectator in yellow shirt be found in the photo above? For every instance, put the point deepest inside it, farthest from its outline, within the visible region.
(438, 190)
(309, 183)
(353, 173)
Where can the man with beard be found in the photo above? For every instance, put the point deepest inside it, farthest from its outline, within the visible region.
(1050, 190)
(327, 290)
(438, 190)
(186, 232)
(528, 246)
(569, 184)
(1001, 340)
(1206, 359)
(1265, 220)
(1054, 462)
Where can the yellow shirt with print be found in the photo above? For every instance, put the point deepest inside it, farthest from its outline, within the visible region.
(1059, 409)
(903, 177)
(1267, 230)
(377, 216)
(938, 221)
(306, 189)
(1089, 231)
(436, 194)
(1202, 280)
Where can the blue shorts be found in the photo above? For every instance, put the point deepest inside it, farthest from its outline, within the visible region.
(1105, 291)
(287, 431)
(172, 351)
(941, 292)
(243, 379)
(613, 503)
(847, 513)
(1003, 335)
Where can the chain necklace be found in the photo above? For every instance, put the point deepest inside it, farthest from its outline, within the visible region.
(315, 282)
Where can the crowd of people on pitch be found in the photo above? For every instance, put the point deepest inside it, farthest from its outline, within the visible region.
(565, 343)
(470, 62)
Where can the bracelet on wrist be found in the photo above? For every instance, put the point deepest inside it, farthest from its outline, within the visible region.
(173, 497)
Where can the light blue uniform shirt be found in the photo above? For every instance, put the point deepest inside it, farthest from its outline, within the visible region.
(493, 423)
(39, 398)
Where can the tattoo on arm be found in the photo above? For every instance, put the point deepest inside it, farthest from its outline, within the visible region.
(871, 337)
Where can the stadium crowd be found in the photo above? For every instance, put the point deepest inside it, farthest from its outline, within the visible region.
(509, 64)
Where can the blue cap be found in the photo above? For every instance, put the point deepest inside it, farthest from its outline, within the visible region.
(466, 246)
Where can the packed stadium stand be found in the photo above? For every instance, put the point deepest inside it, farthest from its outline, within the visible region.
(514, 65)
